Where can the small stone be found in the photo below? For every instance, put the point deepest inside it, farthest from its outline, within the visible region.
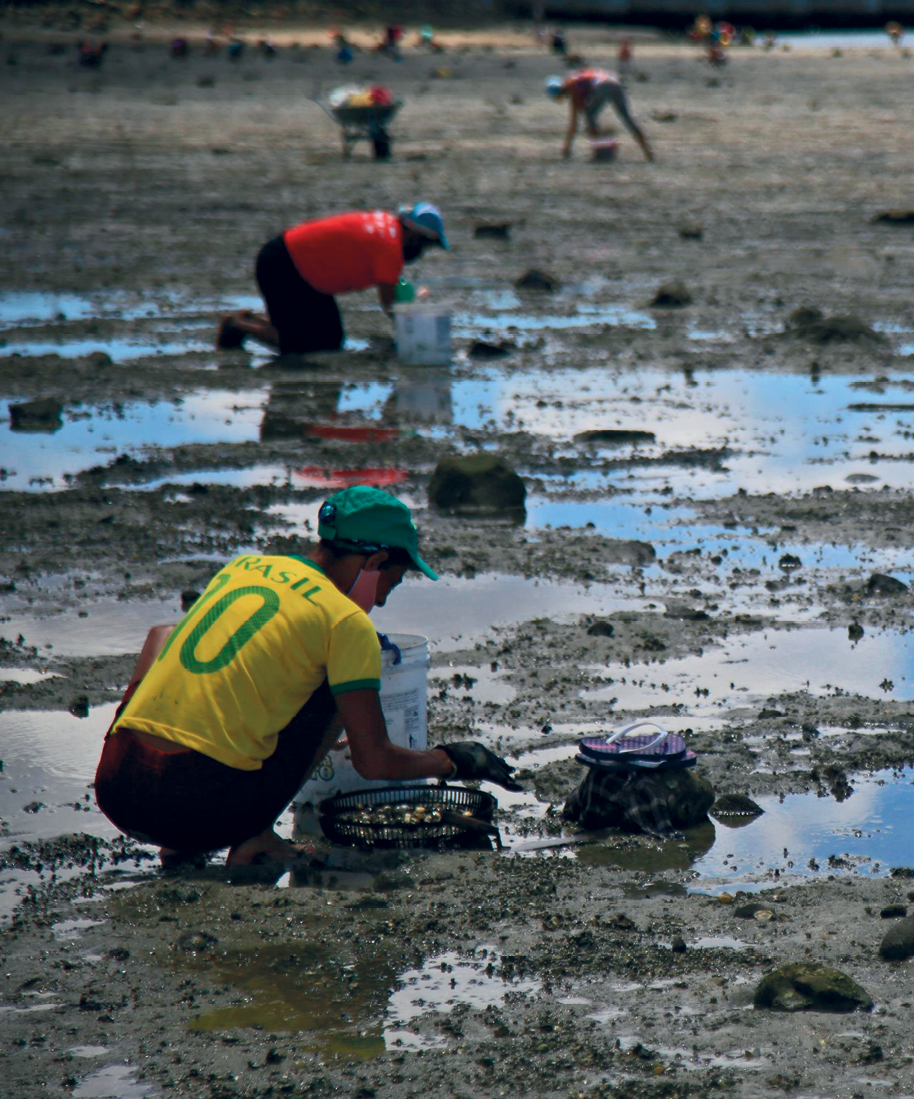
(854, 631)
(615, 437)
(672, 295)
(735, 805)
(79, 706)
(679, 945)
(188, 598)
(895, 217)
(880, 584)
(811, 987)
(44, 414)
(33, 807)
(482, 349)
(196, 941)
(601, 628)
(534, 279)
(898, 942)
(691, 230)
(493, 231)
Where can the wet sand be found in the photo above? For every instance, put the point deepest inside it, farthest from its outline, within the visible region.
(732, 556)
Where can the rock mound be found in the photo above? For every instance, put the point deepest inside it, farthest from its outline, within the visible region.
(476, 482)
(534, 279)
(614, 437)
(735, 805)
(672, 295)
(811, 987)
(811, 325)
(898, 942)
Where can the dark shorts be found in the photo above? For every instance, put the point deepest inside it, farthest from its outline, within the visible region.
(305, 319)
(192, 803)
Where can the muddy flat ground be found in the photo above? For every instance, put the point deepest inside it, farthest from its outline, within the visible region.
(748, 568)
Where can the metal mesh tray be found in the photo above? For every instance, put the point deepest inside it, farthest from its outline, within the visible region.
(456, 798)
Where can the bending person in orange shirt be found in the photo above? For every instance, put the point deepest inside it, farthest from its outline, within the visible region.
(300, 272)
(588, 91)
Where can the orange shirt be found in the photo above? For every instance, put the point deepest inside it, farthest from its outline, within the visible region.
(580, 84)
(347, 252)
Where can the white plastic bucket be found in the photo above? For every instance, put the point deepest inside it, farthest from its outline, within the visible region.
(404, 688)
(423, 333)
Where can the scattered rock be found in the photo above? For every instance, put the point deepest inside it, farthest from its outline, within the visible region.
(481, 349)
(895, 217)
(809, 324)
(678, 945)
(44, 414)
(665, 115)
(601, 628)
(534, 279)
(880, 584)
(672, 295)
(768, 711)
(691, 230)
(33, 807)
(79, 706)
(615, 437)
(893, 911)
(810, 987)
(749, 911)
(500, 230)
(684, 613)
(477, 481)
(99, 359)
(735, 805)
(188, 598)
(688, 797)
(196, 941)
(854, 631)
(898, 942)
(789, 562)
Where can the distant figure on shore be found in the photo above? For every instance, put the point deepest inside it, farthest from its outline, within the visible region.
(91, 53)
(301, 271)
(558, 42)
(625, 59)
(588, 91)
(895, 31)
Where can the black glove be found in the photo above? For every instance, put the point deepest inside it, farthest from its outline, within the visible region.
(475, 761)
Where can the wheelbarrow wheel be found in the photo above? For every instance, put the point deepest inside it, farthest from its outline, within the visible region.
(381, 144)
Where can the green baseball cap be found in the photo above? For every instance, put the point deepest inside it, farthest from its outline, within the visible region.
(368, 520)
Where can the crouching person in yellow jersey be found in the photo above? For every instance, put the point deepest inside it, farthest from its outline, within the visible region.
(231, 710)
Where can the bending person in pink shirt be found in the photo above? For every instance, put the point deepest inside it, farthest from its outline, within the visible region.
(300, 272)
(588, 91)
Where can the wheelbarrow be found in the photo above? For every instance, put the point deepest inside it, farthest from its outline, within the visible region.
(363, 124)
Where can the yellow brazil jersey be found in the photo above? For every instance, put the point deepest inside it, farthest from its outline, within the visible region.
(262, 637)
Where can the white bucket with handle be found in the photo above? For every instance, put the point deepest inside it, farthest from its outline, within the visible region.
(423, 332)
(404, 690)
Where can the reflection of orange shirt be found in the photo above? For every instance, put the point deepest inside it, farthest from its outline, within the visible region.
(580, 84)
(347, 252)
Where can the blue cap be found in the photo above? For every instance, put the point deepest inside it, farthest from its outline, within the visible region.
(554, 86)
(428, 217)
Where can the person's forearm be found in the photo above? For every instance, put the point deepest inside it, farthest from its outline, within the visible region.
(395, 762)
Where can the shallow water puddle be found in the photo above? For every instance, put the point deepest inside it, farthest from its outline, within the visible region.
(90, 436)
(458, 610)
(117, 349)
(355, 1011)
(112, 1082)
(748, 669)
(798, 836)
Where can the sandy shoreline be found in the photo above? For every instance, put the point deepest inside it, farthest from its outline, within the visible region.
(733, 557)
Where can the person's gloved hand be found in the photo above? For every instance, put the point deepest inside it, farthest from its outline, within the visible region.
(474, 761)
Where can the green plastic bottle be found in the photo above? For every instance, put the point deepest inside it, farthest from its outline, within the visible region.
(405, 291)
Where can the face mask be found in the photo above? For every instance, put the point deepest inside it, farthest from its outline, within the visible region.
(364, 589)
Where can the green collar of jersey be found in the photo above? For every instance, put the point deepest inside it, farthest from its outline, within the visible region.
(307, 561)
